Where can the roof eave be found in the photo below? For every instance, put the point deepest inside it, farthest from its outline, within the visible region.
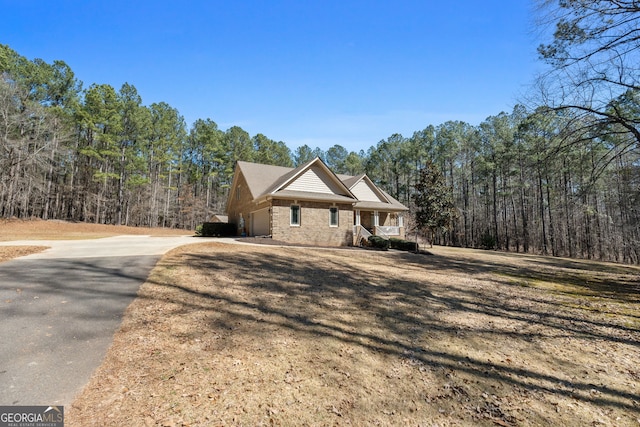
(312, 198)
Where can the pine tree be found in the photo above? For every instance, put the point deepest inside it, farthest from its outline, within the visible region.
(433, 199)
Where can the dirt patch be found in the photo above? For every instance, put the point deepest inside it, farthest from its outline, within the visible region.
(11, 252)
(254, 335)
(15, 229)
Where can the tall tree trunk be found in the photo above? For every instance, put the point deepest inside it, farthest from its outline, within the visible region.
(49, 177)
(516, 233)
(465, 211)
(552, 237)
(524, 211)
(120, 203)
(494, 184)
(568, 210)
(505, 220)
(166, 205)
(542, 214)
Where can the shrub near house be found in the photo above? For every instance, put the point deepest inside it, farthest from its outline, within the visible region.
(216, 229)
(403, 245)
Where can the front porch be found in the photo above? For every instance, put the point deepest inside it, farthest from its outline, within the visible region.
(377, 223)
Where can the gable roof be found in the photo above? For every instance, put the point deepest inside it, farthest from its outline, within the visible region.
(260, 177)
(364, 189)
(298, 172)
(382, 200)
(267, 181)
(391, 205)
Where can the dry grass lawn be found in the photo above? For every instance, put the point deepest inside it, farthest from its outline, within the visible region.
(261, 335)
(14, 229)
(10, 252)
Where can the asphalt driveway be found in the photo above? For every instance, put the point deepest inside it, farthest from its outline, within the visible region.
(61, 307)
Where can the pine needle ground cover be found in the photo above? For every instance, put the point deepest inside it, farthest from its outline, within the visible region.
(262, 335)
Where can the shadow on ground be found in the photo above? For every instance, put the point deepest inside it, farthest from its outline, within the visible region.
(480, 323)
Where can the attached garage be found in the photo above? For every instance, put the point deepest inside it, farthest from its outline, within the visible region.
(261, 222)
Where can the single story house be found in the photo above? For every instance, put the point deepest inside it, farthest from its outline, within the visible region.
(311, 205)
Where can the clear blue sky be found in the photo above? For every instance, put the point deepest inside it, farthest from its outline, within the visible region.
(304, 72)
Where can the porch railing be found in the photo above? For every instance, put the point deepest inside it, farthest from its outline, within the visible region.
(359, 233)
(387, 231)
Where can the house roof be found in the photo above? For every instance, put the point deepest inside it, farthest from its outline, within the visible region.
(289, 177)
(393, 205)
(306, 195)
(349, 180)
(267, 181)
(219, 218)
(260, 177)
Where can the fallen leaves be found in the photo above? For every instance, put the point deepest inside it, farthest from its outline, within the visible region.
(230, 335)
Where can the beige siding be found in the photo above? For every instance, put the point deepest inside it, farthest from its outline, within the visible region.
(365, 193)
(314, 180)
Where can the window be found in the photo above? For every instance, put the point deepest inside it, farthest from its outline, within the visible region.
(295, 215)
(333, 217)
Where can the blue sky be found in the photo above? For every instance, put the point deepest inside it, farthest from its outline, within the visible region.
(304, 72)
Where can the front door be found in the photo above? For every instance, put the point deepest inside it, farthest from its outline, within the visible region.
(366, 220)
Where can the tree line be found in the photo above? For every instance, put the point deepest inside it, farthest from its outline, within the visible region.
(99, 155)
(549, 179)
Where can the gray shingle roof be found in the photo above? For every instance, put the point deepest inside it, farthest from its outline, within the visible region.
(260, 177)
(263, 180)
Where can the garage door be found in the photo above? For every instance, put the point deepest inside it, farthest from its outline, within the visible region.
(260, 226)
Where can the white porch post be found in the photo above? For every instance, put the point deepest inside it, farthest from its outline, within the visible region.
(357, 217)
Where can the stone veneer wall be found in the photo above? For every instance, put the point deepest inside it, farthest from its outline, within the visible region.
(314, 226)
